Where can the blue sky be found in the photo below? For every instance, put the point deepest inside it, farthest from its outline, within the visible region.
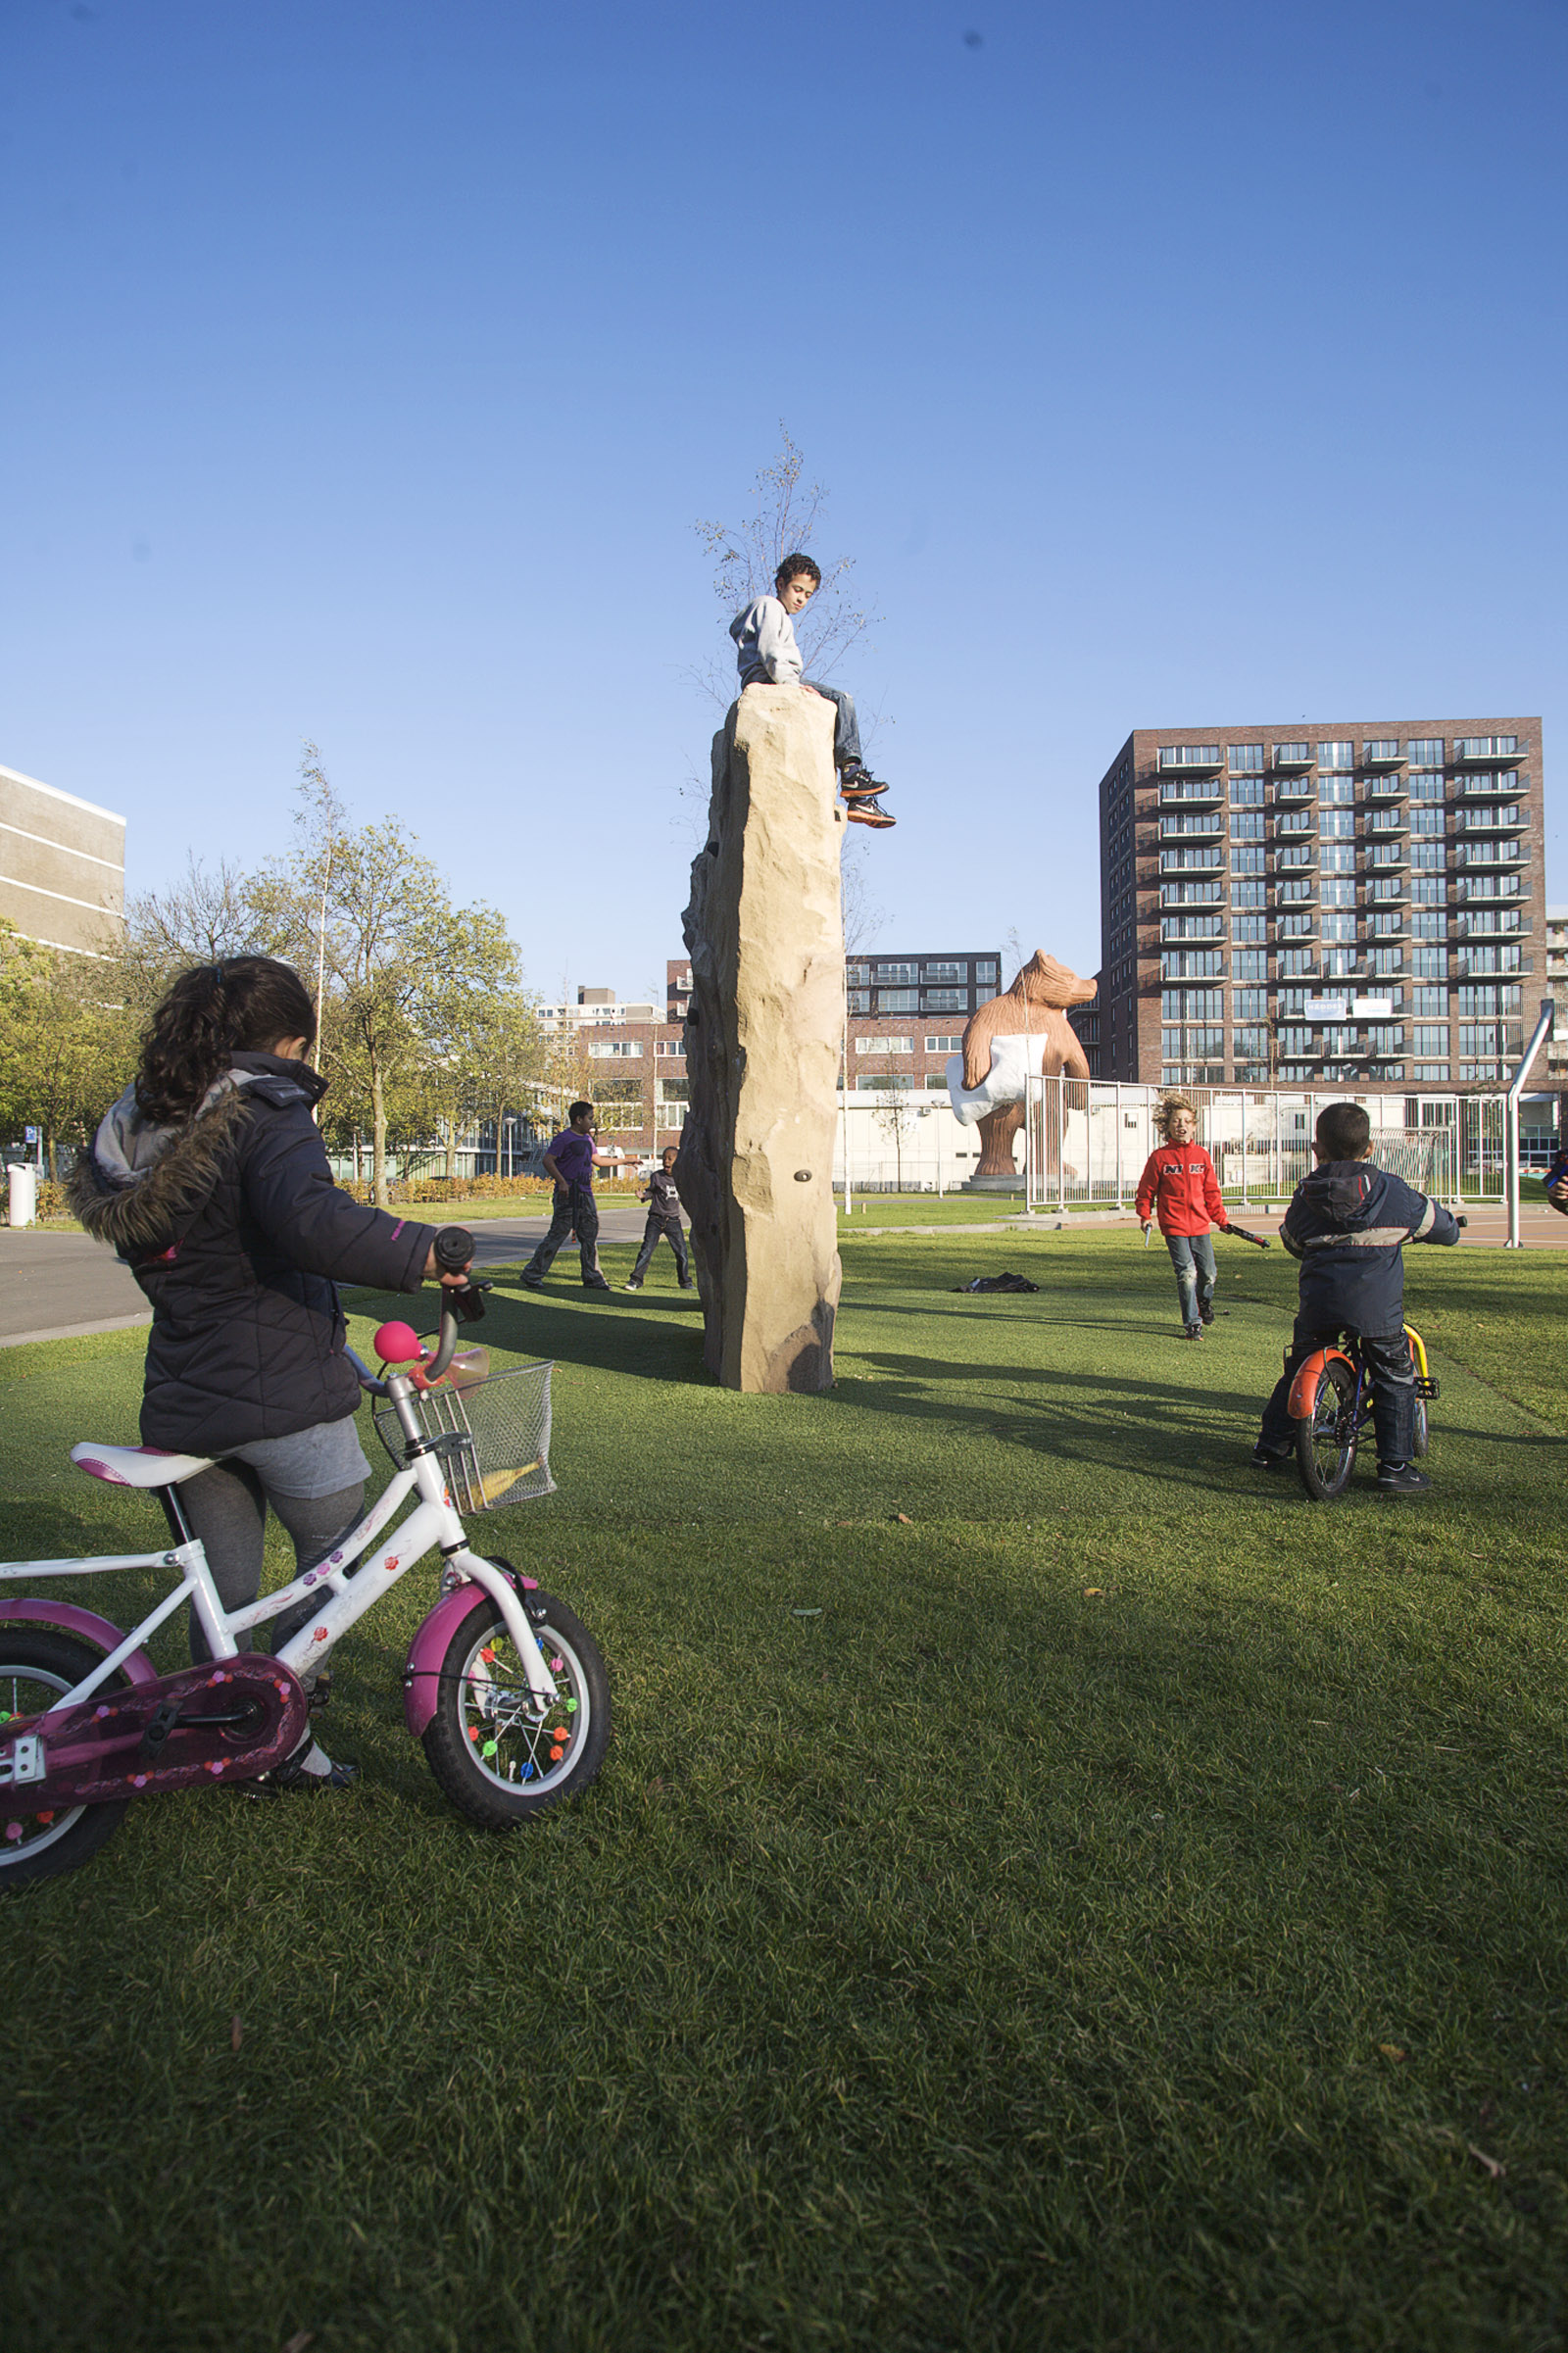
(366, 367)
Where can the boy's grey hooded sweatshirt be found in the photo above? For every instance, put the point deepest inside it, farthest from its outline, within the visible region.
(1348, 1224)
(766, 651)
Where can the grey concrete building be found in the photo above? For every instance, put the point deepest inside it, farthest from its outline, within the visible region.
(1361, 902)
(62, 866)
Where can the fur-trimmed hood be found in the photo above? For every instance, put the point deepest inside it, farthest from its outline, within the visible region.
(141, 1182)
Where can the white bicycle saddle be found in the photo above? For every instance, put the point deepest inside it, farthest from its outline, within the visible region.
(137, 1466)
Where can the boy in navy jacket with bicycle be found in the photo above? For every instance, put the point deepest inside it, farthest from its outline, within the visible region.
(1348, 1225)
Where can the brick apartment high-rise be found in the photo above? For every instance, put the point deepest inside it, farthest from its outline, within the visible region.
(1361, 903)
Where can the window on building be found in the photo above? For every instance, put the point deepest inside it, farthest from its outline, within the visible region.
(1387, 926)
(1427, 785)
(1427, 856)
(1481, 1072)
(1246, 829)
(1249, 964)
(856, 973)
(1337, 857)
(1481, 747)
(1425, 926)
(1385, 1038)
(883, 1079)
(1249, 1004)
(1249, 894)
(1428, 890)
(1337, 926)
(1430, 1041)
(857, 1001)
(1192, 963)
(1427, 1002)
(615, 1049)
(986, 969)
(1206, 892)
(1429, 964)
(1248, 930)
(1425, 751)
(1292, 755)
(1493, 997)
(1293, 820)
(1244, 758)
(884, 1046)
(674, 1090)
(1431, 1073)
(1385, 887)
(1335, 792)
(1336, 825)
(898, 973)
(1426, 820)
(1296, 853)
(1192, 1005)
(1296, 960)
(935, 1079)
(1336, 756)
(1383, 748)
(671, 1051)
(1336, 891)
(1248, 860)
(946, 1042)
(897, 1000)
(1247, 792)
(945, 1000)
(1385, 961)
(1296, 926)
(948, 969)
(1252, 1041)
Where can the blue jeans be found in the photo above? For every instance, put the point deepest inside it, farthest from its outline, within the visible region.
(1192, 1256)
(846, 728)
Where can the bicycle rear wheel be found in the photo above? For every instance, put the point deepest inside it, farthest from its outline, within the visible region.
(36, 1666)
(1326, 1439)
(1422, 1438)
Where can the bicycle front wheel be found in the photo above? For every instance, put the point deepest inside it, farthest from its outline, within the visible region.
(1326, 1438)
(37, 1667)
(496, 1752)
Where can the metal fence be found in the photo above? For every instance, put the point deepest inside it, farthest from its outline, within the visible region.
(1087, 1140)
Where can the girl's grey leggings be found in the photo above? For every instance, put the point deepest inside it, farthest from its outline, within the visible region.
(227, 1507)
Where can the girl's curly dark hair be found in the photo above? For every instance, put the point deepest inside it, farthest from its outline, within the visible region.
(206, 1016)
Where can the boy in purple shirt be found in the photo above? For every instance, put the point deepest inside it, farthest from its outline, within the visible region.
(571, 1161)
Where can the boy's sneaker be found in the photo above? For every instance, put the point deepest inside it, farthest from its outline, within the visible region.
(1205, 1315)
(533, 1282)
(859, 784)
(1264, 1460)
(1192, 1331)
(863, 812)
(631, 1286)
(688, 1285)
(1402, 1479)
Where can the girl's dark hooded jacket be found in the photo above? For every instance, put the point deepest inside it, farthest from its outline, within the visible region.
(233, 1228)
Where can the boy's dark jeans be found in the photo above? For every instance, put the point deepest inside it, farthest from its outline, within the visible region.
(668, 1230)
(846, 727)
(573, 1209)
(1392, 1376)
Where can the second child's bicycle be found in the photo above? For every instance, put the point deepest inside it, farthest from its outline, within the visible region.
(1330, 1403)
(503, 1685)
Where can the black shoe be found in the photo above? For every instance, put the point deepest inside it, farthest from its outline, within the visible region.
(291, 1775)
(1205, 1315)
(1263, 1460)
(1403, 1479)
(597, 1291)
(533, 1282)
(858, 783)
(1192, 1331)
(688, 1286)
(631, 1286)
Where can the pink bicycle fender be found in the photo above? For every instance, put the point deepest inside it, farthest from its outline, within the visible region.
(104, 1636)
(422, 1672)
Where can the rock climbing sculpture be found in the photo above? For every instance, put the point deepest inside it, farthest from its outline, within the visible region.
(1022, 1034)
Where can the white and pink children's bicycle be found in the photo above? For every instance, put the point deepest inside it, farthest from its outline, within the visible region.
(503, 1685)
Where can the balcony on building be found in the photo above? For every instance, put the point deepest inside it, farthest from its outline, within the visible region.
(1490, 784)
(1293, 760)
(1196, 792)
(1384, 888)
(1471, 855)
(1382, 788)
(1387, 922)
(1185, 829)
(1504, 886)
(1493, 820)
(1377, 759)
(1190, 760)
(1487, 752)
(1178, 931)
(1381, 823)
(1489, 923)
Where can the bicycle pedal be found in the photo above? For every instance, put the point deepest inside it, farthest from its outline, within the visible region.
(320, 1695)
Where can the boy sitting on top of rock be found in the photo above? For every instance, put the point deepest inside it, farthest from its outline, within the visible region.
(767, 655)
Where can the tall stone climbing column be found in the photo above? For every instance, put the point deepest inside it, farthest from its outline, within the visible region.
(765, 933)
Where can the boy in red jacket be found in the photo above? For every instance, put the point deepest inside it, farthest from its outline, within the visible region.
(1179, 1186)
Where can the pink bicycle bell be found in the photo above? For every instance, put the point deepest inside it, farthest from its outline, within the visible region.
(398, 1344)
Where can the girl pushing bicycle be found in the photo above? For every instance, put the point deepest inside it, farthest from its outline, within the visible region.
(211, 1179)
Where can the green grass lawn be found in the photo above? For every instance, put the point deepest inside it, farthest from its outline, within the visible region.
(1049, 1886)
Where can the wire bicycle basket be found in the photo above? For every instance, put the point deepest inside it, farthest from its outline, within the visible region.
(491, 1430)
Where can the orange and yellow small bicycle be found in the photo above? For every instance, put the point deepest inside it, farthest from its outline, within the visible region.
(1330, 1403)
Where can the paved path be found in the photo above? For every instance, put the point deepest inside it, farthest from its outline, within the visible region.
(60, 1285)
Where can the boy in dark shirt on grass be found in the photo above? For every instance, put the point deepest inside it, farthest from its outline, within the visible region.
(1348, 1225)
(663, 1222)
(571, 1161)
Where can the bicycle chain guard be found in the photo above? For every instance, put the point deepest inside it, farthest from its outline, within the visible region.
(226, 1721)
